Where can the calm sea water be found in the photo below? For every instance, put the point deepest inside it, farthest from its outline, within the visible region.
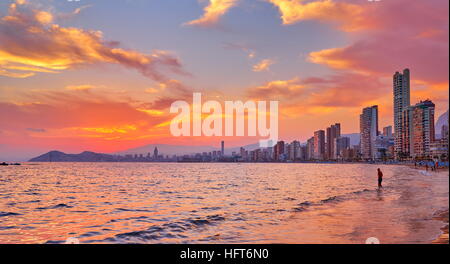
(218, 203)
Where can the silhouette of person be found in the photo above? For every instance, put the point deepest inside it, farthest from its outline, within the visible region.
(380, 178)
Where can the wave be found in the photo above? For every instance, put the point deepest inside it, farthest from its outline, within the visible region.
(2, 214)
(168, 230)
(303, 206)
(61, 205)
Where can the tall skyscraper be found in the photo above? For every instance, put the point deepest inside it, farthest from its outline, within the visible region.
(423, 128)
(319, 145)
(155, 153)
(310, 149)
(297, 150)
(401, 90)
(368, 131)
(333, 132)
(222, 148)
(278, 150)
(405, 137)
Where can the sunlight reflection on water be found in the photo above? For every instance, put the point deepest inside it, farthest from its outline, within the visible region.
(217, 203)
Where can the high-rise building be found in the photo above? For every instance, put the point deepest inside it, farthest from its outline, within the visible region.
(439, 148)
(297, 150)
(304, 151)
(310, 149)
(387, 131)
(383, 145)
(340, 144)
(444, 132)
(401, 90)
(319, 145)
(278, 151)
(222, 148)
(333, 132)
(422, 128)
(155, 153)
(406, 148)
(368, 131)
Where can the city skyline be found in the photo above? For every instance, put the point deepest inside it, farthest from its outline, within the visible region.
(113, 93)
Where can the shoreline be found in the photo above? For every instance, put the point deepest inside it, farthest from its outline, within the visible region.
(443, 217)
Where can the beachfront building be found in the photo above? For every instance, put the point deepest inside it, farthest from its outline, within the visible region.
(387, 131)
(340, 144)
(406, 136)
(422, 129)
(279, 151)
(319, 145)
(296, 150)
(368, 131)
(333, 132)
(383, 147)
(401, 93)
(439, 148)
(310, 149)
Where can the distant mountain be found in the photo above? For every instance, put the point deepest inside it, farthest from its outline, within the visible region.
(167, 149)
(87, 156)
(442, 120)
(182, 150)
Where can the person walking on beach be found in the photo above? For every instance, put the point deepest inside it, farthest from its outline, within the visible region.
(380, 178)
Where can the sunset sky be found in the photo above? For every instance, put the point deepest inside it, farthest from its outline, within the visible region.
(100, 75)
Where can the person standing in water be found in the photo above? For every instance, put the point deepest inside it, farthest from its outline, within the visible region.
(380, 178)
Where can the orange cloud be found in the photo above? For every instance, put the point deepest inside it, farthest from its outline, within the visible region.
(419, 43)
(347, 14)
(83, 87)
(70, 114)
(263, 65)
(213, 12)
(31, 43)
(321, 95)
(279, 89)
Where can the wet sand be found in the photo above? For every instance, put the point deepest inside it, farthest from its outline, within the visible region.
(443, 238)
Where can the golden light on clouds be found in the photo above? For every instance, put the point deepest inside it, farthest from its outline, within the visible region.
(293, 11)
(83, 87)
(30, 42)
(44, 17)
(325, 57)
(263, 65)
(213, 12)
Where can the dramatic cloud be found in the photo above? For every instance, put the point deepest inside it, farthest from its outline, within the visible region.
(70, 114)
(419, 42)
(263, 65)
(169, 92)
(341, 90)
(346, 14)
(30, 42)
(213, 12)
(276, 90)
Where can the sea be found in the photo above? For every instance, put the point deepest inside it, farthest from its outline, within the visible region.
(219, 203)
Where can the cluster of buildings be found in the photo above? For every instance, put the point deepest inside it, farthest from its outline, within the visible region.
(414, 131)
(413, 138)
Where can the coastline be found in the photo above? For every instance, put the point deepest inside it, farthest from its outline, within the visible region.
(442, 216)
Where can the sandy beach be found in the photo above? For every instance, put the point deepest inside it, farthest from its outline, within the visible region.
(443, 238)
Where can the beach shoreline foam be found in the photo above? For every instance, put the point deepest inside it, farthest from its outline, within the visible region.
(442, 216)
